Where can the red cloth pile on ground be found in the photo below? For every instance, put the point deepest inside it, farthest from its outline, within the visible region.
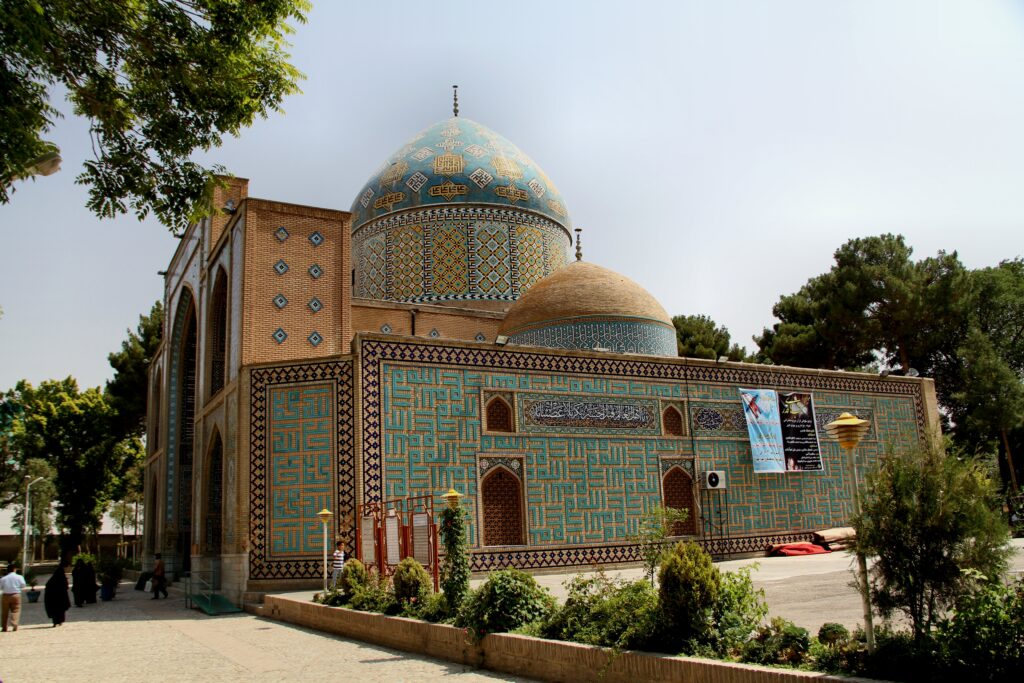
(794, 549)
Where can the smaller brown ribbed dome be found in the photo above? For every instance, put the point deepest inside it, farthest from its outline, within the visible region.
(585, 306)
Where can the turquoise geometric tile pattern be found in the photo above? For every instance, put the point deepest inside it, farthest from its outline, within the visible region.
(458, 161)
(301, 467)
(457, 213)
(458, 252)
(422, 434)
(620, 336)
(302, 435)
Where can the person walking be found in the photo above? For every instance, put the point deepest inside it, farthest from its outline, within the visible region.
(55, 598)
(159, 578)
(12, 584)
(339, 563)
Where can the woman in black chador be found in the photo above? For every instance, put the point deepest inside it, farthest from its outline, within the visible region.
(84, 588)
(55, 598)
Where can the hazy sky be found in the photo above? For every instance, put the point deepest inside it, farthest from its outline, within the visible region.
(716, 152)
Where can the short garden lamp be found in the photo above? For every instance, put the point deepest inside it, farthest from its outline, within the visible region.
(325, 517)
(848, 430)
(453, 498)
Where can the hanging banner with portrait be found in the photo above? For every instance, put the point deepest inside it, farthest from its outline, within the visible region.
(761, 408)
(799, 432)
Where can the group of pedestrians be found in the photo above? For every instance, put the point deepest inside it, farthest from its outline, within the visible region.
(55, 597)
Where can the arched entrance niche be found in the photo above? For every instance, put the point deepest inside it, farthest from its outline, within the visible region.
(151, 514)
(217, 333)
(677, 490)
(501, 495)
(181, 433)
(156, 407)
(213, 519)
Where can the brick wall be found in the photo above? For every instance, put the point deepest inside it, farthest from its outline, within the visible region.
(545, 660)
(314, 257)
(449, 322)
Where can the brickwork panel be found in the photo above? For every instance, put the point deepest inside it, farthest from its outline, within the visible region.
(299, 254)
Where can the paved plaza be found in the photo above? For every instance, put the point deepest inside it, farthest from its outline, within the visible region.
(134, 638)
(138, 640)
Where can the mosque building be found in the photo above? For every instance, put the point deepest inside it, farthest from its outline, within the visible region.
(442, 334)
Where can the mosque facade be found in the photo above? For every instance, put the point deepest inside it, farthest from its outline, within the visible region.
(442, 334)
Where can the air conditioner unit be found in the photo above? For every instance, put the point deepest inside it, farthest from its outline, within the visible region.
(713, 479)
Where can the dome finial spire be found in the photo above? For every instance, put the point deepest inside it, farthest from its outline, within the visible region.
(455, 102)
(579, 247)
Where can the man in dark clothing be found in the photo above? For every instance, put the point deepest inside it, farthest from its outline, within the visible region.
(159, 578)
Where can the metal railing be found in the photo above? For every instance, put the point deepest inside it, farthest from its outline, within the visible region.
(201, 584)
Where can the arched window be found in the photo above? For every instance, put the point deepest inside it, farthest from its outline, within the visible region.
(677, 489)
(217, 333)
(499, 416)
(672, 422)
(502, 497)
(213, 523)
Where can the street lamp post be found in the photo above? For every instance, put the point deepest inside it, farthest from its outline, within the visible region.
(452, 498)
(325, 517)
(25, 525)
(849, 430)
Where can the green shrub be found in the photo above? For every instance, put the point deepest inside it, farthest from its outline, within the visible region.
(508, 600)
(375, 595)
(455, 567)
(738, 612)
(836, 650)
(88, 558)
(411, 582)
(433, 608)
(898, 656)
(832, 633)
(652, 535)
(984, 639)
(601, 611)
(331, 597)
(926, 518)
(353, 577)
(689, 588)
(780, 642)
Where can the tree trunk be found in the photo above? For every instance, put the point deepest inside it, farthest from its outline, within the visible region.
(1009, 460)
(904, 359)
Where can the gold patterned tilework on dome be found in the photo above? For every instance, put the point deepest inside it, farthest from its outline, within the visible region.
(457, 213)
(461, 161)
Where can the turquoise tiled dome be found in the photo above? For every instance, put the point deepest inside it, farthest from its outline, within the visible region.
(457, 214)
(458, 161)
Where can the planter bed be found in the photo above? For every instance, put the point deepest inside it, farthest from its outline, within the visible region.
(546, 660)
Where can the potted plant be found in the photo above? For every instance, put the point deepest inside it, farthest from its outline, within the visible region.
(32, 580)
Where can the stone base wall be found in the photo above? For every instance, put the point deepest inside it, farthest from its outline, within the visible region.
(546, 660)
